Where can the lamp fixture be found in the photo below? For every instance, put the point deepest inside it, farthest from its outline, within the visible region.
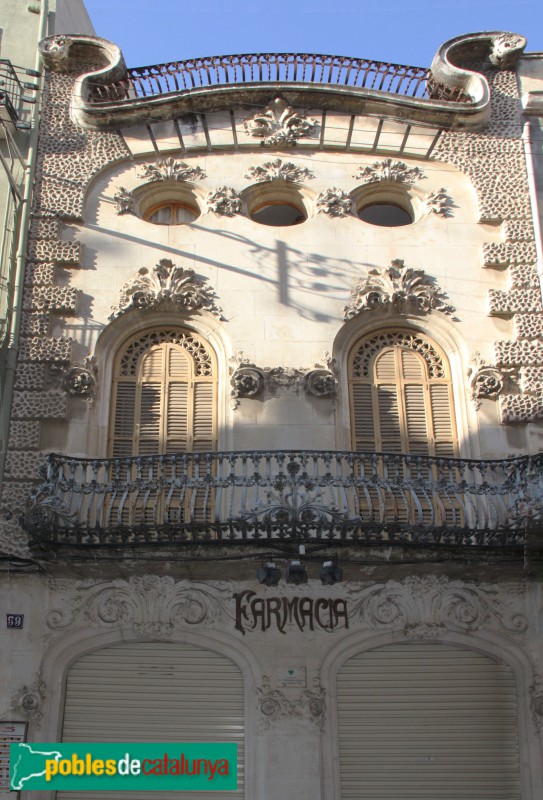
(296, 572)
(269, 574)
(330, 573)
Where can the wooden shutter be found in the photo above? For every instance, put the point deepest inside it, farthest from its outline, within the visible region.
(164, 398)
(427, 721)
(401, 397)
(155, 692)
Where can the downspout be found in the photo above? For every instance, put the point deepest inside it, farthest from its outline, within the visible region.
(532, 188)
(12, 350)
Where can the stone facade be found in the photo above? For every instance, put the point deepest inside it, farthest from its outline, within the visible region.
(295, 298)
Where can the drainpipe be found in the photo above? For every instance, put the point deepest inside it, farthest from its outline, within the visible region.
(21, 258)
(529, 156)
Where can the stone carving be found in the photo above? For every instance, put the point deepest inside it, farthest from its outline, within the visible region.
(56, 48)
(224, 201)
(437, 203)
(166, 286)
(274, 705)
(43, 511)
(335, 202)
(280, 124)
(389, 171)
(28, 702)
(279, 170)
(82, 381)
(124, 201)
(169, 169)
(248, 380)
(149, 604)
(487, 381)
(397, 288)
(506, 50)
(427, 605)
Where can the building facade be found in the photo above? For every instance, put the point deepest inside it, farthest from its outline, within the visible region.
(274, 471)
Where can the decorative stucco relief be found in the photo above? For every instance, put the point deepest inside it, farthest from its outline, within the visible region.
(167, 169)
(488, 382)
(334, 202)
(397, 288)
(82, 381)
(279, 170)
(439, 203)
(249, 380)
(28, 702)
(125, 202)
(274, 705)
(506, 50)
(389, 171)
(166, 286)
(224, 201)
(149, 604)
(280, 124)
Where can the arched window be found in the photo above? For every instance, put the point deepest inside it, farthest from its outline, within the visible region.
(401, 396)
(164, 395)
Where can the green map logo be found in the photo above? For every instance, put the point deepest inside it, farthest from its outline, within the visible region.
(95, 766)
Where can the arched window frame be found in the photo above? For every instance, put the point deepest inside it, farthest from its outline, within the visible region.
(440, 330)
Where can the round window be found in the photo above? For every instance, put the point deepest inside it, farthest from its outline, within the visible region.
(388, 215)
(278, 214)
(172, 214)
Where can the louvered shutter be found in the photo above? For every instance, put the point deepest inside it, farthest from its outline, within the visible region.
(164, 401)
(397, 405)
(427, 721)
(155, 692)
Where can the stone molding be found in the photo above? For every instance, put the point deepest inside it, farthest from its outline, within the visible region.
(166, 286)
(397, 289)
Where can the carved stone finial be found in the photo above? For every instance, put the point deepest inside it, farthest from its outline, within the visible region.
(166, 286)
(224, 201)
(389, 171)
(397, 288)
(169, 169)
(280, 124)
(335, 203)
(506, 50)
(124, 202)
(279, 170)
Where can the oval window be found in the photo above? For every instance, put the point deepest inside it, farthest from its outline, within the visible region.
(278, 214)
(386, 214)
(172, 214)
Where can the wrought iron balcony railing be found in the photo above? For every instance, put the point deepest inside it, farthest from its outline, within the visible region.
(262, 497)
(12, 99)
(262, 68)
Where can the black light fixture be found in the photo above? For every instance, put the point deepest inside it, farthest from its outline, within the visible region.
(330, 573)
(296, 572)
(269, 574)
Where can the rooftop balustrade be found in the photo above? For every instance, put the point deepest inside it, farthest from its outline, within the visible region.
(261, 68)
(292, 496)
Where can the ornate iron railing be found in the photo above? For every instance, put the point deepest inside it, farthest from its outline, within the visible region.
(264, 496)
(261, 68)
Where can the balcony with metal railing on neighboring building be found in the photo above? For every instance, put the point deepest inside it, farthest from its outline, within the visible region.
(269, 498)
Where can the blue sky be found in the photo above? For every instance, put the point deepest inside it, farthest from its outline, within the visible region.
(154, 31)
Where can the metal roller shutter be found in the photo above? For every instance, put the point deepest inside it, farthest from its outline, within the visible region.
(427, 722)
(155, 692)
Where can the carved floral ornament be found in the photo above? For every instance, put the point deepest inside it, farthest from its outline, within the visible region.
(389, 171)
(400, 289)
(248, 380)
(279, 170)
(169, 169)
(28, 702)
(488, 381)
(280, 124)
(335, 202)
(166, 286)
(82, 381)
(224, 202)
(274, 705)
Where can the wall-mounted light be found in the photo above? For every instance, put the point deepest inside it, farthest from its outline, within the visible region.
(269, 574)
(330, 573)
(296, 572)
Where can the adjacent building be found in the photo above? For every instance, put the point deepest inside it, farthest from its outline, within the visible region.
(274, 470)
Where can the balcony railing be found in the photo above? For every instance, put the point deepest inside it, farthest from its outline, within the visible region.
(12, 99)
(262, 68)
(262, 497)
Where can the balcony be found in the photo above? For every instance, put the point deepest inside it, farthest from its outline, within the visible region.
(271, 498)
(275, 68)
(13, 103)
